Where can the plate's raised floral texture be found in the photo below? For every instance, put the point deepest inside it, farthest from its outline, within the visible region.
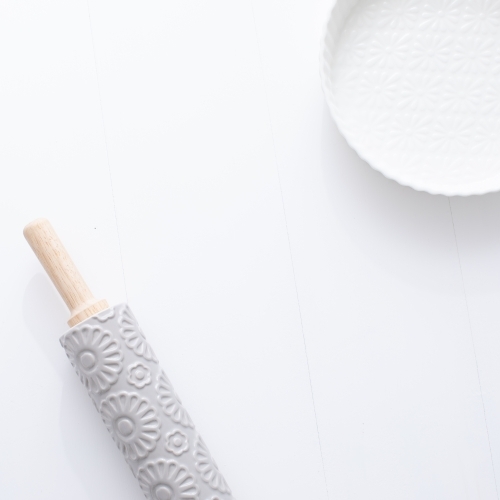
(96, 356)
(167, 480)
(133, 423)
(414, 86)
(141, 410)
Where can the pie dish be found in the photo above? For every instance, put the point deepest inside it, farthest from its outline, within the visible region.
(414, 87)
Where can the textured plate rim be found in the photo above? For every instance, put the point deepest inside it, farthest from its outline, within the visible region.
(489, 185)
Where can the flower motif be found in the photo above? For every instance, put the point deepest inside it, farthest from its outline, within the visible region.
(353, 47)
(495, 61)
(452, 134)
(420, 91)
(167, 480)
(132, 422)
(176, 442)
(399, 14)
(170, 402)
(139, 375)
(481, 16)
(378, 88)
(366, 14)
(486, 139)
(207, 467)
(441, 15)
(472, 54)
(105, 315)
(492, 99)
(133, 336)
(388, 50)
(95, 355)
(376, 126)
(409, 131)
(430, 52)
(462, 95)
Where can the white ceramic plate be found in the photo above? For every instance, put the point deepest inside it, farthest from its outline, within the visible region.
(414, 86)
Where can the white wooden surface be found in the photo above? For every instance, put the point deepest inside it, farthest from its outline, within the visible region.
(333, 334)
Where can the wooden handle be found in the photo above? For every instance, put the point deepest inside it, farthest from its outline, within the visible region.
(62, 271)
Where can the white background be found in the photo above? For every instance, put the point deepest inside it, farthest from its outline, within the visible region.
(333, 334)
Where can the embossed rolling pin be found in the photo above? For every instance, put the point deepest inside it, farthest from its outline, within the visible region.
(131, 392)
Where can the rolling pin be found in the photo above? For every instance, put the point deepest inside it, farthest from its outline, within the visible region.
(131, 392)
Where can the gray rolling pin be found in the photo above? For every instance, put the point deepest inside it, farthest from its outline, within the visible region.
(132, 393)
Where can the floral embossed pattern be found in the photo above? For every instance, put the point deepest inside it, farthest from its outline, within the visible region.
(171, 403)
(177, 442)
(133, 422)
(414, 84)
(105, 315)
(141, 410)
(167, 480)
(95, 355)
(133, 336)
(139, 375)
(207, 467)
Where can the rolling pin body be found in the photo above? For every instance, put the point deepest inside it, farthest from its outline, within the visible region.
(141, 410)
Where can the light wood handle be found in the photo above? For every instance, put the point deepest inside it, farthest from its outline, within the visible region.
(62, 271)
